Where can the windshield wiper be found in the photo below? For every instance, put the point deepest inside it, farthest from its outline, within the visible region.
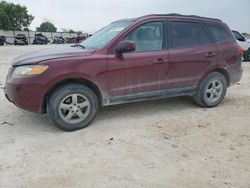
(78, 45)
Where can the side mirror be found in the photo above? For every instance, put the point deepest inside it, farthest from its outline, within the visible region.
(125, 46)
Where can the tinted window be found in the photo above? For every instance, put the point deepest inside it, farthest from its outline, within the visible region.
(147, 37)
(203, 36)
(238, 36)
(218, 32)
(187, 34)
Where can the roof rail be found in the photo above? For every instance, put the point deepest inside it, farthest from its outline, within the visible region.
(181, 15)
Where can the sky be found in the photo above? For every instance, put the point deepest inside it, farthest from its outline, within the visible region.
(91, 15)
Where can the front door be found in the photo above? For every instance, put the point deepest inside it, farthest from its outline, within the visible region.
(139, 71)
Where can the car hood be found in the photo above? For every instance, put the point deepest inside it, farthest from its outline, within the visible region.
(52, 53)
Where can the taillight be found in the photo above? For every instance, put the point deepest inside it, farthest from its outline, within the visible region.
(241, 50)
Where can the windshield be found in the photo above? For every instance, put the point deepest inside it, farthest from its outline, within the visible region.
(105, 35)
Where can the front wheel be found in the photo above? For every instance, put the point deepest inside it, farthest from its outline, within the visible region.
(72, 107)
(212, 90)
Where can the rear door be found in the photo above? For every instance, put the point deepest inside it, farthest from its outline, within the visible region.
(191, 52)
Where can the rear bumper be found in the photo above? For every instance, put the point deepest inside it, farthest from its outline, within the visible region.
(236, 73)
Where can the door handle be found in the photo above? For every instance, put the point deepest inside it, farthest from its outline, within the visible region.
(160, 60)
(210, 54)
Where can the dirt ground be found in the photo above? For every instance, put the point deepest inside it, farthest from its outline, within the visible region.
(162, 143)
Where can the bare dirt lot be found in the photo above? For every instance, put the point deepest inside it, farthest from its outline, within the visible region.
(156, 144)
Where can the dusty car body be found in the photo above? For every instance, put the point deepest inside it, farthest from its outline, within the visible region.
(145, 58)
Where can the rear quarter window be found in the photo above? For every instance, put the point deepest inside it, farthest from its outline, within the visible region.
(218, 32)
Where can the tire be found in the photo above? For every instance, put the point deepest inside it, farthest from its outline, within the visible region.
(246, 55)
(67, 106)
(211, 90)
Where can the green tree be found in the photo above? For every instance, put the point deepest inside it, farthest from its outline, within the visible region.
(46, 27)
(71, 31)
(68, 30)
(14, 16)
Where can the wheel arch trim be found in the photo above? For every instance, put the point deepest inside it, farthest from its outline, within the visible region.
(102, 97)
(222, 70)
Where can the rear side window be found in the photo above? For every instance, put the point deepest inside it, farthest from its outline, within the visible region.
(218, 32)
(188, 34)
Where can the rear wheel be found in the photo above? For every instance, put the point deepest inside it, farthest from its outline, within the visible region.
(212, 90)
(72, 107)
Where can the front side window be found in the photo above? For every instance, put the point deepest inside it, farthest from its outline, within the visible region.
(147, 37)
(188, 34)
(218, 32)
(105, 35)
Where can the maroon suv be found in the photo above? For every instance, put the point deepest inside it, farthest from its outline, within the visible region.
(154, 56)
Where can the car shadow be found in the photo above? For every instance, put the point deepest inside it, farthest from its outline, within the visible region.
(145, 108)
(38, 122)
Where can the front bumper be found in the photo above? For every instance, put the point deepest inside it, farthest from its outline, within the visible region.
(24, 94)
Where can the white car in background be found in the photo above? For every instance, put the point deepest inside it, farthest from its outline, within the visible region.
(244, 43)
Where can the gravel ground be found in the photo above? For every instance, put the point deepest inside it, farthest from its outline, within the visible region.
(161, 143)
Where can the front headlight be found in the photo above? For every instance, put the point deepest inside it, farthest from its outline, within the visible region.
(29, 70)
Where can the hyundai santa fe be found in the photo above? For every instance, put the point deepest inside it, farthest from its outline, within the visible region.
(150, 57)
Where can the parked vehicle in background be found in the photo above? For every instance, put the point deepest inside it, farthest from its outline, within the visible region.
(40, 39)
(80, 37)
(70, 40)
(150, 57)
(21, 39)
(58, 40)
(2, 40)
(244, 43)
